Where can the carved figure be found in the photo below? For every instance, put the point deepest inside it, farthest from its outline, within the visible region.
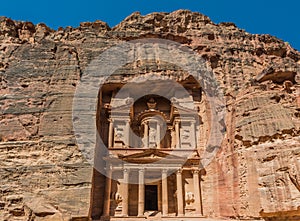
(189, 197)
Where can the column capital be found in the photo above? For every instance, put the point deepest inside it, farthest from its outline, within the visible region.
(196, 171)
(141, 170)
(179, 171)
(177, 121)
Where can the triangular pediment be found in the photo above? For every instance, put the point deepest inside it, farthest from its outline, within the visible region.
(148, 154)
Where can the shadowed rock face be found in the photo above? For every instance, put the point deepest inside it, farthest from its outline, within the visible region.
(43, 175)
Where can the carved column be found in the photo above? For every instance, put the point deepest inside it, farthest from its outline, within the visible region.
(127, 133)
(179, 193)
(141, 204)
(165, 202)
(193, 135)
(110, 133)
(177, 131)
(146, 135)
(106, 207)
(198, 204)
(158, 135)
(126, 194)
(159, 193)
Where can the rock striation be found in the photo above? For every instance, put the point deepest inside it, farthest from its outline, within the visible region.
(44, 176)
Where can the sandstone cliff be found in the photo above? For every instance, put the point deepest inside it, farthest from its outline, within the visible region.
(43, 174)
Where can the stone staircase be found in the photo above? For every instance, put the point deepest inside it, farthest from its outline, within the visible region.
(156, 216)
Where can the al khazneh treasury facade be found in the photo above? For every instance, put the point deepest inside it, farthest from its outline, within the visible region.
(149, 162)
(153, 161)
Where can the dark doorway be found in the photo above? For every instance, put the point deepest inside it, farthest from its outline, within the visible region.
(151, 203)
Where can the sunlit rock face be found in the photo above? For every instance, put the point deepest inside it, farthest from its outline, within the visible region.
(44, 175)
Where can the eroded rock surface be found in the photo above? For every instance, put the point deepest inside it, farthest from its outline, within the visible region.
(255, 174)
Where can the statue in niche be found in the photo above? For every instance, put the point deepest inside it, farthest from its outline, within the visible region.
(151, 104)
(118, 198)
(189, 197)
(118, 134)
(185, 134)
(152, 137)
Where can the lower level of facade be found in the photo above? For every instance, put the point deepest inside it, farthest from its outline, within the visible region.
(152, 190)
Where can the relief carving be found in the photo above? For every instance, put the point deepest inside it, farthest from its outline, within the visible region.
(118, 134)
(186, 134)
(189, 197)
(118, 198)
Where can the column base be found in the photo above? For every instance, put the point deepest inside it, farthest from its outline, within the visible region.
(198, 214)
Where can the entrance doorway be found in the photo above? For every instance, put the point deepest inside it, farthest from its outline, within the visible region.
(151, 202)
